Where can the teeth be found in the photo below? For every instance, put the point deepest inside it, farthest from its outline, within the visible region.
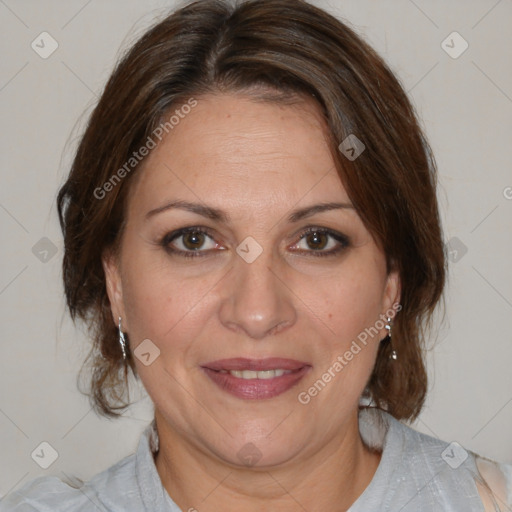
(264, 374)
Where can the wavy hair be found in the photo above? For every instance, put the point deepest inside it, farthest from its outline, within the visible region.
(285, 49)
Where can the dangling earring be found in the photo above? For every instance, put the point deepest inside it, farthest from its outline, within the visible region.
(393, 354)
(122, 340)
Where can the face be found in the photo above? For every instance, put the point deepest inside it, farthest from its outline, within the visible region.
(248, 270)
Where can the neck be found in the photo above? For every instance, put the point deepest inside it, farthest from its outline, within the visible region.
(330, 479)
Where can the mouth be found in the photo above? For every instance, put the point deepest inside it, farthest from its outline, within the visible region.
(256, 379)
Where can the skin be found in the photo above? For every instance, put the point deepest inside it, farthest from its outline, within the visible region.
(257, 162)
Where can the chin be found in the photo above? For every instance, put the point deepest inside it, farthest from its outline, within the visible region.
(258, 454)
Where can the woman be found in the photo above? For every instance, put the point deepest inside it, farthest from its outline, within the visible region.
(251, 228)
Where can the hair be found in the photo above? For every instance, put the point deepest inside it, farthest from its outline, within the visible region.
(286, 49)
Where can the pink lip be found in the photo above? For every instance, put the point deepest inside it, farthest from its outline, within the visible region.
(256, 365)
(256, 389)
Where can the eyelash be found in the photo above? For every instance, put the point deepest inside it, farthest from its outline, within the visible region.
(171, 237)
(343, 241)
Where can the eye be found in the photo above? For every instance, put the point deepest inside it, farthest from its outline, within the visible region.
(190, 242)
(321, 242)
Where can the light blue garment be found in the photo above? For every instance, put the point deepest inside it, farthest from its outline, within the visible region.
(417, 473)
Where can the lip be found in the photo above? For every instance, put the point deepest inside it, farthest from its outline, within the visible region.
(255, 389)
(256, 365)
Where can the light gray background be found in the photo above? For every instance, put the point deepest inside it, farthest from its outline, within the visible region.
(466, 107)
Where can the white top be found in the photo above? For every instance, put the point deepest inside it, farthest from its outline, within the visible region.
(416, 473)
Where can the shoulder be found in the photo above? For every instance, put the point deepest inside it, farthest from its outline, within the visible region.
(451, 464)
(421, 473)
(42, 495)
(114, 490)
(447, 475)
(494, 484)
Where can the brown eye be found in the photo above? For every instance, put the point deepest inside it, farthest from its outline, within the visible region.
(193, 240)
(317, 240)
(321, 242)
(190, 241)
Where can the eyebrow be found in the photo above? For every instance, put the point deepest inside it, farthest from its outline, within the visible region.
(303, 213)
(220, 216)
(199, 209)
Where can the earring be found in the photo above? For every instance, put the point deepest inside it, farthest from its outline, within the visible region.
(122, 340)
(393, 354)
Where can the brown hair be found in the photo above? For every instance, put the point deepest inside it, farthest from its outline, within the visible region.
(294, 49)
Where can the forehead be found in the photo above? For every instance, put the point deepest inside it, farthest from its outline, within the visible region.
(245, 150)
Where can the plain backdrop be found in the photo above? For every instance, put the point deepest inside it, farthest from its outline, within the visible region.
(465, 103)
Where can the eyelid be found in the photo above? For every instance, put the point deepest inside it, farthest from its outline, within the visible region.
(169, 237)
(166, 241)
(343, 240)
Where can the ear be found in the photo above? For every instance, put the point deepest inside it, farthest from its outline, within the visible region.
(392, 291)
(391, 298)
(111, 267)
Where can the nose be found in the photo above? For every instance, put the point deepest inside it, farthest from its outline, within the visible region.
(257, 301)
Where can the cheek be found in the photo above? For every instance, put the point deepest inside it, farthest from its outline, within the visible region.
(346, 354)
(156, 300)
(170, 314)
(349, 304)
